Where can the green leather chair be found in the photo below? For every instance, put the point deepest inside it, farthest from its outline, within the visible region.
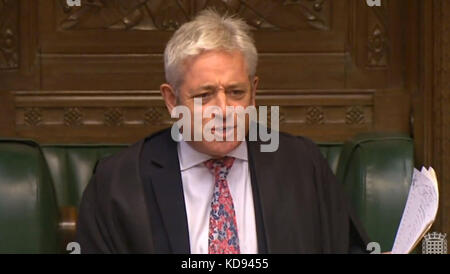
(332, 152)
(375, 169)
(71, 168)
(28, 208)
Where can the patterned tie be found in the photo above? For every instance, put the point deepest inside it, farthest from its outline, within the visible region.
(223, 235)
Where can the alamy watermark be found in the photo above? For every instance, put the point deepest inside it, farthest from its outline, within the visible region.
(231, 127)
(370, 3)
(74, 248)
(373, 3)
(73, 3)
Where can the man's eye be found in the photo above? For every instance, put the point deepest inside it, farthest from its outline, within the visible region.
(202, 95)
(237, 92)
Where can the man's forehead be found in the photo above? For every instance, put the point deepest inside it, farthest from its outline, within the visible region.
(214, 61)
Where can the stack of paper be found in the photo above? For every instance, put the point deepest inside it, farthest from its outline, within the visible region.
(420, 211)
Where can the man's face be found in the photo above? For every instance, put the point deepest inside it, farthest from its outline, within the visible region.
(220, 79)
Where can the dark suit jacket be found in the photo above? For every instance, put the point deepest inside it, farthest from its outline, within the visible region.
(134, 203)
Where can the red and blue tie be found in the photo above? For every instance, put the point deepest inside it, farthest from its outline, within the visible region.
(223, 233)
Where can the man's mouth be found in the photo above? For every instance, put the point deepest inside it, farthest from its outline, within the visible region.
(223, 131)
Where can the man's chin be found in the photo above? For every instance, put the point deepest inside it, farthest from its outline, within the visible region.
(215, 148)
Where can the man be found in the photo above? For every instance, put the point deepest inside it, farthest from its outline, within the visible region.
(163, 196)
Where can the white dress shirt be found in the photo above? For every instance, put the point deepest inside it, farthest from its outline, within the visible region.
(198, 187)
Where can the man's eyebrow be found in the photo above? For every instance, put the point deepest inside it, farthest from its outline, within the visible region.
(205, 88)
(236, 85)
(211, 87)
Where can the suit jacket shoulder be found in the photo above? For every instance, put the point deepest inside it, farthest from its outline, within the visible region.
(113, 213)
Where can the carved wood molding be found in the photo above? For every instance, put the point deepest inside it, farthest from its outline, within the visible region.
(121, 108)
(9, 34)
(78, 111)
(372, 26)
(378, 38)
(169, 15)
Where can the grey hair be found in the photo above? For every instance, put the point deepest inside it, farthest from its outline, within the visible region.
(208, 31)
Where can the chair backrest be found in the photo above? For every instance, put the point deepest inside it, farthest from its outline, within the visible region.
(71, 168)
(332, 152)
(376, 171)
(28, 208)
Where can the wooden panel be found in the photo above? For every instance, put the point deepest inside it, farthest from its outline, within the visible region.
(302, 71)
(18, 45)
(336, 68)
(9, 41)
(146, 71)
(102, 71)
(432, 104)
(7, 125)
(298, 24)
(442, 118)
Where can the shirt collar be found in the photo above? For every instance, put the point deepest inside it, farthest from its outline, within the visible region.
(189, 157)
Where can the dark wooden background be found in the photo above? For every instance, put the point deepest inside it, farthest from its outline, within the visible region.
(335, 67)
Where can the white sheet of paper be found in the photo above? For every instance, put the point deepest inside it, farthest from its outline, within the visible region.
(434, 178)
(420, 211)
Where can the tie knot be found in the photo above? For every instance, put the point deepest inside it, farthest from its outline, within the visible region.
(220, 167)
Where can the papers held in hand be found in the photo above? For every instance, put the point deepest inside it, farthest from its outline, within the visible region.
(420, 211)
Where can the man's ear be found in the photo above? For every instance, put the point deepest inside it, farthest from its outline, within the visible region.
(254, 87)
(170, 98)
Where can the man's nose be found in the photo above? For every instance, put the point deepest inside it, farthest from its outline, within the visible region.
(221, 101)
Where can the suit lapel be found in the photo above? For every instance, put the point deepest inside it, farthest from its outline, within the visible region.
(168, 189)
